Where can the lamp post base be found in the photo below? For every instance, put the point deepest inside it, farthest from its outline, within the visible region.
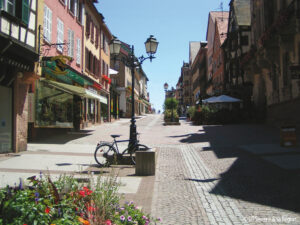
(133, 133)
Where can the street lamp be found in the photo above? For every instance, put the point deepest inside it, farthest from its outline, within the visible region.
(132, 62)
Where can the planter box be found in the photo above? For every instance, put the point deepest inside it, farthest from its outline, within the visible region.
(145, 163)
(171, 123)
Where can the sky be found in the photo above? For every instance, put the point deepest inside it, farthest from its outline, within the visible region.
(174, 23)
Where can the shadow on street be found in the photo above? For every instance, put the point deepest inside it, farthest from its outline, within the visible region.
(61, 137)
(250, 177)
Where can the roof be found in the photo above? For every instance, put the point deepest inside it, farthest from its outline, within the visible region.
(213, 15)
(222, 24)
(242, 12)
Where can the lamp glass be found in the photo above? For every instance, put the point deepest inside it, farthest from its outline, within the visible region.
(166, 86)
(151, 45)
(115, 46)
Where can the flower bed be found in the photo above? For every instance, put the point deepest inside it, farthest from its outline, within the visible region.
(65, 202)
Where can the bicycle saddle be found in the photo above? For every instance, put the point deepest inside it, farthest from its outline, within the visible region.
(115, 136)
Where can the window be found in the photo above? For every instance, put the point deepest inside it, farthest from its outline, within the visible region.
(71, 43)
(78, 52)
(60, 34)
(92, 31)
(97, 38)
(18, 8)
(79, 13)
(72, 6)
(87, 25)
(47, 23)
(9, 6)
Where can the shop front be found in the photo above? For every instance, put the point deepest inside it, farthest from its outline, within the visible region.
(6, 119)
(64, 98)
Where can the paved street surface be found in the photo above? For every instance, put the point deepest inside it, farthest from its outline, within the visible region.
(231, 174)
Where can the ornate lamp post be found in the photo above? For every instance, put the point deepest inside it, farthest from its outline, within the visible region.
(132, 62)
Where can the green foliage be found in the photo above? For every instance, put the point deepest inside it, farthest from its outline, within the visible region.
(66, 202)
(210, 115)
(191, 111)
(170, 103)
(168, 115)
(129, 214)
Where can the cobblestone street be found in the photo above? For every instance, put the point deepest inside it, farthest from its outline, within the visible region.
(204, 174)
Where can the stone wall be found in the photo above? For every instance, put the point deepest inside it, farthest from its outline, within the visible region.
(20, 115)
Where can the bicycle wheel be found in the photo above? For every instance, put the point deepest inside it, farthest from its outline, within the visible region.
(103, 152)
(137, 147)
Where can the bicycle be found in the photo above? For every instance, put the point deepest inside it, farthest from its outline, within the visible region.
(110, 150)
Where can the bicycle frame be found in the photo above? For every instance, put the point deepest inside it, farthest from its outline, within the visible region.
(114, 144)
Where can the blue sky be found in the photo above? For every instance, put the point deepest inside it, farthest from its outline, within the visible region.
(174, 23)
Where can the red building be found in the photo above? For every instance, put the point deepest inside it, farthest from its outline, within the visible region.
(217, 82)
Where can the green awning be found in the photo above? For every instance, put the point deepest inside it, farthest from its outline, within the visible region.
(67, 77)
(71, 89)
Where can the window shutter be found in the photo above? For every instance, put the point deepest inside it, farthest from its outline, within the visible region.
(92, 63)
(87, 24)
(97, 37)
(86, 58)
(99, 69)
(78, 58)
(1, 2)
(92, 30)
(25, 11)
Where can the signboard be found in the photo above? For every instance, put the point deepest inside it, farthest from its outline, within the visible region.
(31, 107)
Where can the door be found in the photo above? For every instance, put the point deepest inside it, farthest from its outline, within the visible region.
(5, 119)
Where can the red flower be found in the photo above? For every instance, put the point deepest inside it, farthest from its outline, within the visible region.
(47, 210)
(82, 193)
(91, 209)
(87, 191)
(107, 222)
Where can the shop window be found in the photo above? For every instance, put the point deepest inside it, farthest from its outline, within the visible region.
(54, 108)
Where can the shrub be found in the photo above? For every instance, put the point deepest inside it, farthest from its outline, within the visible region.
(66, 202)
(168, 115)
(191, 112)
(171, 104)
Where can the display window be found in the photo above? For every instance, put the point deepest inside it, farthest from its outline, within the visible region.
(5, 119)
(54, 107)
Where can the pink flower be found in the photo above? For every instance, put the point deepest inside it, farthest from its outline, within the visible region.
(122, 218)
(107, 222)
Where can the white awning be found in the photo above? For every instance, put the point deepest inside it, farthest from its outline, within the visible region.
(112, 71)
(90, 94)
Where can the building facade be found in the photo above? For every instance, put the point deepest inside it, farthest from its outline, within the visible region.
(274, 60)
(217, 80)
(19, 53)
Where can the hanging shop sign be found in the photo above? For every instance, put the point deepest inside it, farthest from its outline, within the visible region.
(56, 68)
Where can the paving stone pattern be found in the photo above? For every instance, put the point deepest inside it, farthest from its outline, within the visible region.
(182, 194)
